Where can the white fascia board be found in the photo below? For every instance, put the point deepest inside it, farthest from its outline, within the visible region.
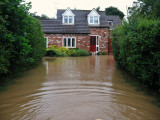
(68, 12)
(93, 13)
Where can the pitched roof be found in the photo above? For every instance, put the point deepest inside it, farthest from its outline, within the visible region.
(80, 26)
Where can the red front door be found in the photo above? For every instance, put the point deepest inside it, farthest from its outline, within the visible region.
(110, 46)
(92, 43)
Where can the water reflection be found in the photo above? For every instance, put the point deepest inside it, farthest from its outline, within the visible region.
(78, 88)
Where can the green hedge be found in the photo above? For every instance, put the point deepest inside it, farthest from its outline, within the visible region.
(136, 48)
(22, 43)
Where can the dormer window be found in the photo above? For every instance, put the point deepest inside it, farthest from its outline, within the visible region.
(93, 18)
(68, 17)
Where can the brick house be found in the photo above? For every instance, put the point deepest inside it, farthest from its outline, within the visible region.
(84, 29)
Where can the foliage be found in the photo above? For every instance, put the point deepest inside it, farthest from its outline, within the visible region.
(42, 17)
(101, 53)
(82, 52)
(114, 11)
(136, 49)
(22, 43)
(63, 50)
(53, 50)
(146, 8)
(73, 53)
(98, 8)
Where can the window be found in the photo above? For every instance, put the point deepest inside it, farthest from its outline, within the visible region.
(68, 19)
(96, 19)
(69, 42)
(65, 19)
(93, 20)
(110, 24)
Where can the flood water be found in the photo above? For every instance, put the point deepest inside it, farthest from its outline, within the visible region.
(75, 88)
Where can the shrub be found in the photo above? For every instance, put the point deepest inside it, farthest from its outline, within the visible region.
(82, 52)
(63, 50)
(53, 47)
(22, 43)
(101, 53)
(52, 52)
(136, 49)
(75, 49)
(73, 53)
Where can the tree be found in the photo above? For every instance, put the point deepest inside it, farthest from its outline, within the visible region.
(98, 8)
(42, 17)
(146, 8)
(22, 43)
(114, 11)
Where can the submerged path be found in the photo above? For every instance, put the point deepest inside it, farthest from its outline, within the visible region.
(75, 88)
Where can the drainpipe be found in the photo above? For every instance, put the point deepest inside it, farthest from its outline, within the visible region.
(109, 32)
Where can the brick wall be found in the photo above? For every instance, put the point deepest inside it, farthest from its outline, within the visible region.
(103, 37)
(82, 40)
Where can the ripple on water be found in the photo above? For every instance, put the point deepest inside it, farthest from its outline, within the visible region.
(90, 99)
(81, 88)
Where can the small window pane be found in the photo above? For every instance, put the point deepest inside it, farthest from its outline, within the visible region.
(95, 19)
(64, 42)
(73, 42)
(94, 40)
(110, 23)
(70, 19)
(91, 19)
(65, 19)
(69, 42)
(91, 40)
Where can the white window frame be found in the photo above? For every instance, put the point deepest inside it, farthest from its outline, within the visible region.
(46, 41)
(67, 42)
(68, 19)
(94, 23)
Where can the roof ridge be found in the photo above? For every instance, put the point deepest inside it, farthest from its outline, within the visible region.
(79, 10)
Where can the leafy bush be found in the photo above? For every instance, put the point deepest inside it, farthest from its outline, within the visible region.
(101, 53)
(73, 53)
(53, 47)
(75, 49)
(22, 43)
(62, 51)
(52, 52)
(136, 49)
(82, 52)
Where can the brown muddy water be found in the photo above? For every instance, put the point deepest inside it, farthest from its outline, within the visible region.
(75, 88)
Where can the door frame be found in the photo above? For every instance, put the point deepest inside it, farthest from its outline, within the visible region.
(97, 42)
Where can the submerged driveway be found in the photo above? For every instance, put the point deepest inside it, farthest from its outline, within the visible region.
(75, 88)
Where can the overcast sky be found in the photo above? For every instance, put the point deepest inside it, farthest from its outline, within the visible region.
(49, 7)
